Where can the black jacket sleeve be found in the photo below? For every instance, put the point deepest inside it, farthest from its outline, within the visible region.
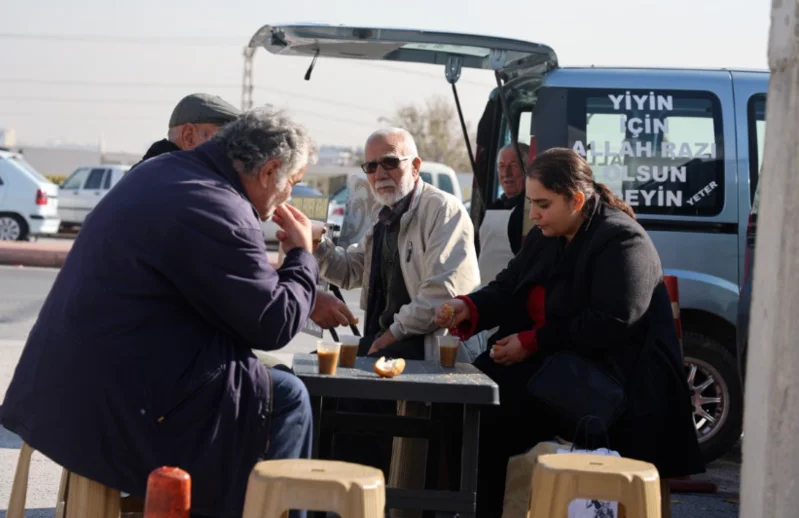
(494, 301)
(623, 275)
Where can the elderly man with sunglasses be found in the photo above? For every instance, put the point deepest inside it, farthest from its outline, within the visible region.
(419, 253)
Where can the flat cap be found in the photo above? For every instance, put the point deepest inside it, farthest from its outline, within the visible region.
(203, 108)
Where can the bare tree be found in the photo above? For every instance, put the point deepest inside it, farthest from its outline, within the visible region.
(436, 128)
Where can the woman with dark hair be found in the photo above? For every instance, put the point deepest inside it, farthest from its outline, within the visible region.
(587, 280)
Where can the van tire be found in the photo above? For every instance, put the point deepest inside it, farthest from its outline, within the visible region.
(23, 225)
(709, 357)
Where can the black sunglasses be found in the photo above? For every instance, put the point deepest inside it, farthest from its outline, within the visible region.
(387, 163)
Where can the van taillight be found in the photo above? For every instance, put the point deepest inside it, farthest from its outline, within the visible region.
(41, 197)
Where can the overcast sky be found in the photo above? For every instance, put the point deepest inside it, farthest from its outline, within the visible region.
(76, 72)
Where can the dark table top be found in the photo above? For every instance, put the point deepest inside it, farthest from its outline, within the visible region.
(420, 381)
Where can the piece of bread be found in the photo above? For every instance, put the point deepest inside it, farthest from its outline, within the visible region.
(388, 368)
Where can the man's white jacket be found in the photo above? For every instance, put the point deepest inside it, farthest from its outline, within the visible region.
(438, 262)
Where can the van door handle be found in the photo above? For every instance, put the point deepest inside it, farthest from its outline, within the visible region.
(97, 193)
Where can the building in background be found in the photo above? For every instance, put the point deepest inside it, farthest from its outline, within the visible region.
(8, 137)
(339, 156)
(60, 162)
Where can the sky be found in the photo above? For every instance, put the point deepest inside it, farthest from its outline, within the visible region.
(97, 70)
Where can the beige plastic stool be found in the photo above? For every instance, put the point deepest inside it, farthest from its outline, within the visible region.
(78, 497)
(349, 490)
(560, 478)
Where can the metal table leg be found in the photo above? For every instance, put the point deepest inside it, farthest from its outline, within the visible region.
(469, 455)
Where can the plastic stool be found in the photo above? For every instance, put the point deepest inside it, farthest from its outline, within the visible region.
(349, 490)
(560, 478)
(78, 497)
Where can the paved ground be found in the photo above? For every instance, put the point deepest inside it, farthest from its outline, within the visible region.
(22, 292)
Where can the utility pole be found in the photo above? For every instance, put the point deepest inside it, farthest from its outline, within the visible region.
(771, 419)
(247, 80)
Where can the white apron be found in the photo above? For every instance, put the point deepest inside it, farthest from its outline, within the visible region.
(495, 250)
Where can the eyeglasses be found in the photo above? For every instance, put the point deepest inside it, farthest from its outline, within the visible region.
(388, 163)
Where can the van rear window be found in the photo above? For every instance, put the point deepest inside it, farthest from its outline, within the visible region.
(661, 151)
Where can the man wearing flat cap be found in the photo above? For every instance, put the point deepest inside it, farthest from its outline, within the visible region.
(195, 119)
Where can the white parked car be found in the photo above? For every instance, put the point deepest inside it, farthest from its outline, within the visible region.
(28, 200)
(303, 190)
(338, 205)
(84, 188)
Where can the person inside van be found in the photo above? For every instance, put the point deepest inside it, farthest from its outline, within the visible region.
(195, 119)
(588, 280)
(501, 229)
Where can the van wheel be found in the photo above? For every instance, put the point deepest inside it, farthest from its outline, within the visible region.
(13, 228)
(716, 394)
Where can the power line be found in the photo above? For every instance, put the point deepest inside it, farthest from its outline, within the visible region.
(72, 100)
(202, 42)
(220, 86)
(422, 73)
(102, 38)
(85, 116)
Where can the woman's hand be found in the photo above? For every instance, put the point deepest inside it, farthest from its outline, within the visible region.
(509, 350)
(452, 313)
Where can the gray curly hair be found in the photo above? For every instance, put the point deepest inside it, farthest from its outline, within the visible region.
(263, 134)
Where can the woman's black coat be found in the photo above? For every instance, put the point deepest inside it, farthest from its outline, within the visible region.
(603, 293)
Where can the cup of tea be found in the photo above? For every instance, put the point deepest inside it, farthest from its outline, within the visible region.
(327, 356)
(349, 350)
(448, 350)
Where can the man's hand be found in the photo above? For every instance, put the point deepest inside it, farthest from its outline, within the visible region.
(382, 342)
(329, 311)
(295, 228)
(509, 350)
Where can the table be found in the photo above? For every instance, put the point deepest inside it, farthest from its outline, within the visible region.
(421, 381)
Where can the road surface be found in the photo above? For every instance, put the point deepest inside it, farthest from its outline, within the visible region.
(22, 293)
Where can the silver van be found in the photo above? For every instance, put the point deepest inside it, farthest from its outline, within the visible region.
(683, 147)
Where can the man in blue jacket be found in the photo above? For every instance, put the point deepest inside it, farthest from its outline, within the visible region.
(142, 353)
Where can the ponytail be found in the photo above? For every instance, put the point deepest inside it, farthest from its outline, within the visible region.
(610, 198)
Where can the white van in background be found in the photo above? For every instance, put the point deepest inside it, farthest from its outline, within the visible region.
(441, 176)
(84, 188)
(28, 200)
(434, 173)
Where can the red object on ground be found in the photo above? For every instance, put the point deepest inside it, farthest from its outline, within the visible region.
(673, 286)
(686, 485)
(683, 484)
(168, 493)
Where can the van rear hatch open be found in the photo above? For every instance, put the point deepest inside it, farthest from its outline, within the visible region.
(509, 59)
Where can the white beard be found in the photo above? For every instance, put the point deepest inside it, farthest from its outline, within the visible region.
(400, 191)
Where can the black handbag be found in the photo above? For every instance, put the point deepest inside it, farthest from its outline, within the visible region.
(575, 387)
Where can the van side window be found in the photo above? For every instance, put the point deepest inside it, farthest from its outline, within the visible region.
(756, 114)
(107, 181)
(427, 178)
(95, 180)
(75, 180)
(445, 184)
(661, 151)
